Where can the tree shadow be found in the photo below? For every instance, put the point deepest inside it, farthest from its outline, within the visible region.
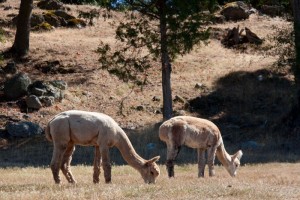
(249, 107)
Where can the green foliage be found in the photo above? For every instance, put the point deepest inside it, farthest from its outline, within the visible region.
(140, 35)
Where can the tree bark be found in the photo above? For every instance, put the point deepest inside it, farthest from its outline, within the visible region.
(166, 65)
(296, 67)
(21, 43)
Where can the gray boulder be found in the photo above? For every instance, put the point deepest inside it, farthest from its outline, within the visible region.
(23, 129)
(59, 84)
(51, 89)
(63, 14)
(47, 101)
(235, 11)
(53, 20)
(16, 87)
(10, 68)
(36, 19)
(33, 102)
(50, 5)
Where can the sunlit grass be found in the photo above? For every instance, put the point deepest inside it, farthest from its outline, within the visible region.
(260, 181)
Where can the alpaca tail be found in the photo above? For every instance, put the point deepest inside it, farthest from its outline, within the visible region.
(47, 133)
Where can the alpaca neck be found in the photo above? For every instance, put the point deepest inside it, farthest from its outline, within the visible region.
(222, 155)
(128, 153)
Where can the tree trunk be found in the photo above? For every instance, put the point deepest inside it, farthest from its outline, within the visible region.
(21, 43)
(166, 65)
(296, 67)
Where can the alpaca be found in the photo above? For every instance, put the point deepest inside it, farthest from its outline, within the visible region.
(202, 135)
(75, 127)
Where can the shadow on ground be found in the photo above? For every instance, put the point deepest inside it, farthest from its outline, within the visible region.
(247, 107)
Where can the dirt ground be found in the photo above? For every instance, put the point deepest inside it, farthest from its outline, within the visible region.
(240, 90)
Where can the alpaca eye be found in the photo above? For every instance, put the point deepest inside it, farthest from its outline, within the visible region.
(152, 173)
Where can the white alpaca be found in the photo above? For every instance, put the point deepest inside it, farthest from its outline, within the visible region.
(74, 127)
(202, 135)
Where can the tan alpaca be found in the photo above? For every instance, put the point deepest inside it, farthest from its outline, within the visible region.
(74, 127)
(202, 135)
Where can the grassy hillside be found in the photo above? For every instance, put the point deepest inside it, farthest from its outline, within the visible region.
(241, 90)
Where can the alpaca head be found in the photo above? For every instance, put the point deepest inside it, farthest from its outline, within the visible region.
(150, 171)
(234, 163)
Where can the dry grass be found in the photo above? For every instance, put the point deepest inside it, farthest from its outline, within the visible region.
(242, 107)
(262, 181)
(93, 89)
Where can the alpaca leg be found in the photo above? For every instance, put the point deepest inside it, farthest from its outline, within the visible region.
(170, 168)
(56, 162)
(66, 161)
(106, 165)
(172, 153)
(201, 162)
(211, 154)
(97, 164)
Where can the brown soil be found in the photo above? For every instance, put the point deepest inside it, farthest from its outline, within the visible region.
(232, 93)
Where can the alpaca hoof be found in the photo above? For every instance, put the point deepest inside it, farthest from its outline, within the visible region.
(108, 182)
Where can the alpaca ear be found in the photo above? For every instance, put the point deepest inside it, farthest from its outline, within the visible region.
(237, 155)
(152, 160)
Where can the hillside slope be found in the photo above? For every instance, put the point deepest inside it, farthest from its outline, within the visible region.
(240, 90)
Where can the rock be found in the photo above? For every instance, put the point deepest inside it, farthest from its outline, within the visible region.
(33, 102)
(59, 84)
(140, 108)
(52, 19)
(179, 99)
(55, 92)
(63, 14)
(23, 129)
(50, 5)
(40, 88)
(10, 68)
(199, 86)
(45, 26)
(218, 18)
(155, 98)
(235, 11)
(272, 10)
(37, 91)
(157, 112)
(47, 101)
(16, 87)
(179, 113)
(36, 19)
(76, 23)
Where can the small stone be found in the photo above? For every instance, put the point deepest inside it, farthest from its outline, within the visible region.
(33, 101)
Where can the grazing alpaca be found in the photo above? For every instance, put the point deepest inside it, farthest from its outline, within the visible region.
(74, 127)
(202, 135)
